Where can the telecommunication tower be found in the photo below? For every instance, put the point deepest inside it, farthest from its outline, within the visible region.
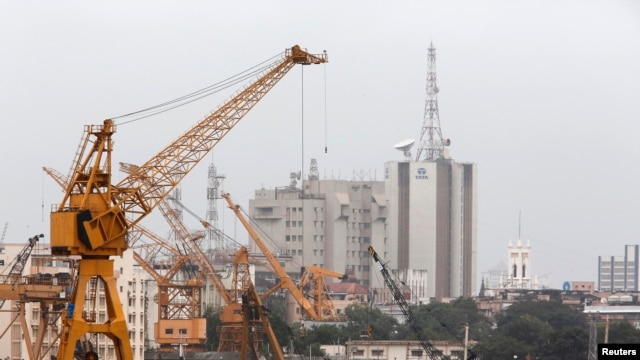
(431, 145)
(213, 195)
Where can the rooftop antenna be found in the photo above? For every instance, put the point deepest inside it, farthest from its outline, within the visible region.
(405, 147)
(431, 142)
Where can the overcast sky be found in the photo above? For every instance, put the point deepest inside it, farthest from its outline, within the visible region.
(543, 95)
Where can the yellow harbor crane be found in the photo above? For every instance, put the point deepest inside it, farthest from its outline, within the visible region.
(322, 309)
(94, 216)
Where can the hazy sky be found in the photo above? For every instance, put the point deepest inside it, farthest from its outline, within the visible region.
(543, 95)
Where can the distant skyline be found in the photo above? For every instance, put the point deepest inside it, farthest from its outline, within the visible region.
(542, 95)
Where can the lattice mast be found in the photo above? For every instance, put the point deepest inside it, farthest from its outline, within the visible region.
(213, 195)
(431, 145)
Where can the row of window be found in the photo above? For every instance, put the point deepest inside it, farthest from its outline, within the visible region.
(357, 253)
(290, 238)
(358, 267)
(361, 240)
(377, 353)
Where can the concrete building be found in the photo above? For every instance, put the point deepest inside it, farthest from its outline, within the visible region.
(327, 223)
(402, 349)
(131, 289)
(431, 223)
(619, 273)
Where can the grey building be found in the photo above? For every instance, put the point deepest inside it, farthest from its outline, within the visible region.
(619, 273)
(326, 223)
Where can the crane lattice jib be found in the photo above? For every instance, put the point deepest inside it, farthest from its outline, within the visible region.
(166, 169)
(404, 307)
(15, 273)
(285, 279)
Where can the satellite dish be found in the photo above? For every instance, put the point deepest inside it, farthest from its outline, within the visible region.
(405, 147)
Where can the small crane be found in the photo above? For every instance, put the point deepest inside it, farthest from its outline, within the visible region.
(432, 352)
(20, 261)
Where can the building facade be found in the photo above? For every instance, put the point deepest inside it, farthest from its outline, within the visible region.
(326, 223)
(619, 273)
(431, 223)
(43, 269)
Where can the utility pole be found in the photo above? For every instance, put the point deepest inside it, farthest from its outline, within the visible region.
(466, 340)
(593, 338)
(431, 142)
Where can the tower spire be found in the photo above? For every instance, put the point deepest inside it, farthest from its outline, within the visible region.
(431, 142)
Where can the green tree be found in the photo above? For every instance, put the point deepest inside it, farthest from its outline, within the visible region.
(447, 321)
(619, 333)
(213, 321)
(362, 317)
(545, 329)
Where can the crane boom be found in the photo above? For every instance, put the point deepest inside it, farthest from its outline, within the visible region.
(404, 307)
(285, 279)
(20, 261)
(94, 216)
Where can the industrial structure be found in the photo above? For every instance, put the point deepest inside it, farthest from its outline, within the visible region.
(94, 216)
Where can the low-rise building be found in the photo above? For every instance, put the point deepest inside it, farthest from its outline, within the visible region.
(401, 349)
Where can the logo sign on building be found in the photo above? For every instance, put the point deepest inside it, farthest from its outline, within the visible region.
(421, 174)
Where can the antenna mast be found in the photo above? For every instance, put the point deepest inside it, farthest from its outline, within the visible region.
(213, 195)
(431, 142)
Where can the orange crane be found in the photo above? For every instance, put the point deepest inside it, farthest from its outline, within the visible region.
(285, 280)
(239, 332)
(94, 215)
(313, 276)
(20, 261)
(50, 292)
(179, 302)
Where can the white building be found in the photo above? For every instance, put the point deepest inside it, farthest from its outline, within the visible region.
(402, 349)
(518, 274)
(431, 223)
(131, 288)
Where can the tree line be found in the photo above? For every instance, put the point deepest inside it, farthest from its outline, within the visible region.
(532, 329)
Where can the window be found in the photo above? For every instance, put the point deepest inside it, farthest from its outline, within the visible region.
(377, 353)
(416, 353)
(168, 331)
(183, 331)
